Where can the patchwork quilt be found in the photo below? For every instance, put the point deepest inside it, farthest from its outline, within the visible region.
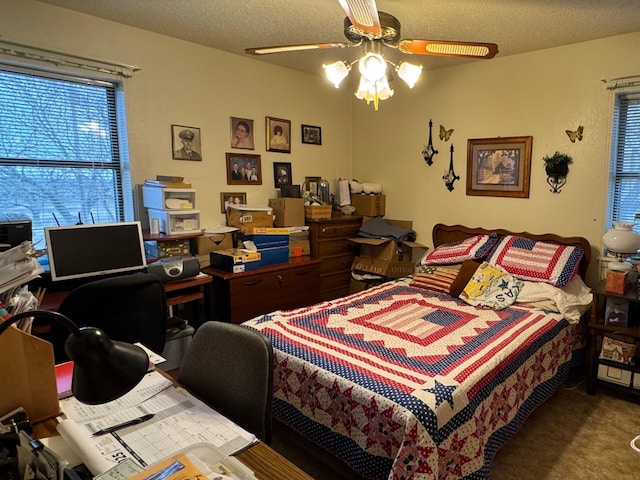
(403, 383)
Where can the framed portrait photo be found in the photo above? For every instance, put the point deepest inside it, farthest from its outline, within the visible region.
(278, 135)
(243, 169)
(617, 312)
(312, 184)
(281, 174)
(311, 134)
(186, 143)
(242, 133)
(499, 167)
(229, 198)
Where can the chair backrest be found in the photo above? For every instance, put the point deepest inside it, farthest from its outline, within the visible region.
(230, 367)
(130, 308)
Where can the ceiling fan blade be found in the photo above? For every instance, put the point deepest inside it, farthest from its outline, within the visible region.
(447, 48)
(294, 48)
(363, 15)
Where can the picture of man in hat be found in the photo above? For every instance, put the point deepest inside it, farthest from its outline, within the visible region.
(186, 152)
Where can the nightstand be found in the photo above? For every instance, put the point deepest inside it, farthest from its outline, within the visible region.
(619, 375)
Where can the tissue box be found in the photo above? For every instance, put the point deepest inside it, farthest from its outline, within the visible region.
(616, 282)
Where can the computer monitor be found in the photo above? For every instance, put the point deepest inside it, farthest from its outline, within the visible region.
(96, 250)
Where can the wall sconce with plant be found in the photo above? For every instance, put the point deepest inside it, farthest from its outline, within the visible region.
(557, 168)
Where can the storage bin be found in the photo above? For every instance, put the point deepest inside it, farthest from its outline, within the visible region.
(176, 222)
(317, 211)
(160, 198)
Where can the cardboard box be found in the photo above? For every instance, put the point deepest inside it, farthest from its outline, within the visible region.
(299, 244)
(211, 242)
(235, 260)
(386, 257)
(288, 212)
(615, 375)
(368, 205)
(246, 217)
(616, 282)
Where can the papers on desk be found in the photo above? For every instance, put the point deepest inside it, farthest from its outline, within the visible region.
(180, 420)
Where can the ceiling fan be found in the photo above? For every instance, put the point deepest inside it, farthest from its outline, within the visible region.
(367, 27)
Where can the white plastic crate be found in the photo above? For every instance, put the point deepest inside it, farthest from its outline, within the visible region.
(160, 198)
(175, 222)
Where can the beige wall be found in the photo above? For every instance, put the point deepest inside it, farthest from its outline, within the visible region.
(186, 84)
(540, 94)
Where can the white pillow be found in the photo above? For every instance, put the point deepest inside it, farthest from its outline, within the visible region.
(571, 300)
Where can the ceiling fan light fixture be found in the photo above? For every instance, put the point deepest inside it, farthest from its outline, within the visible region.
(374, 91)
(336, 72)
(409, 72)
(451, 48)
(373, 67)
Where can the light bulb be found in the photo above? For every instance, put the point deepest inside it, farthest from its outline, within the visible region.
(409, 73)
(336, 72)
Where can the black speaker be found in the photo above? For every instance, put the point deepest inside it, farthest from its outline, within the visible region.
(172, 269)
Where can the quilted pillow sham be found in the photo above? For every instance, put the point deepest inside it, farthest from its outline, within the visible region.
(537, 261)
(472, 248)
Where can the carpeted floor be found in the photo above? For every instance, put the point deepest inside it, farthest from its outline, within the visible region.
(572, 436)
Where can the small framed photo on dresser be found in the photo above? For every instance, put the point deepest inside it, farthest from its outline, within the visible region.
(617, 312)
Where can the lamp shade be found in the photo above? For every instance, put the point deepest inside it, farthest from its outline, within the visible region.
(103, 369)
(622, 239)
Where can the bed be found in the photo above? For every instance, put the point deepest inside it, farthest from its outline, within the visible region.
(405, 382)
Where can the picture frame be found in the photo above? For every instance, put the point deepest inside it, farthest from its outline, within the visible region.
(281, 174)
(242, 133)
(616, 312)
(499, 167)
(186, 143)
(278, 135)
(237, 165)
(311, 134)
(239, 198)
(311, 184)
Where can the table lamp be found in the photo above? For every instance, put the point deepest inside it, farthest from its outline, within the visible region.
(103, 369)
(621, 242)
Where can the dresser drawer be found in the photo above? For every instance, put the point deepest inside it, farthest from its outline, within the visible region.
(335, 247)
(340, 263)
(338, 230)
(335, 280)
(239, 297)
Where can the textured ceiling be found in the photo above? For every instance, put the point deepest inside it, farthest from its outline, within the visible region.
(517, 26)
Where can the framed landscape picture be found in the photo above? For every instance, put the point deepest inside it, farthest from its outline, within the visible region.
(499, 167)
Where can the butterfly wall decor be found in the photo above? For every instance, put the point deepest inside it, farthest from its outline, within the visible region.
(577, 135)
(445, 134)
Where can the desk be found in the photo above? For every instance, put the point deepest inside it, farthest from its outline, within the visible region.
(178, 293)
(266, 463)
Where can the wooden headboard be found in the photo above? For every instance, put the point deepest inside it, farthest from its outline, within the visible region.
(455, 233)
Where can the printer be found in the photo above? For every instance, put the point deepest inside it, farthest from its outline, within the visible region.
(14, 229)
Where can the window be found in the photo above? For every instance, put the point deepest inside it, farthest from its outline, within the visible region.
(62, 157)
(624, 188)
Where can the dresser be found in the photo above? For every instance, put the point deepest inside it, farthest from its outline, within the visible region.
(238, 297)
(329, 242)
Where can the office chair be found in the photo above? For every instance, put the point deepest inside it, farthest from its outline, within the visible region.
(230, 367)
(131, 308)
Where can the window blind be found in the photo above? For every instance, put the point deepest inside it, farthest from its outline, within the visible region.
(60, 152)
(624, 194)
